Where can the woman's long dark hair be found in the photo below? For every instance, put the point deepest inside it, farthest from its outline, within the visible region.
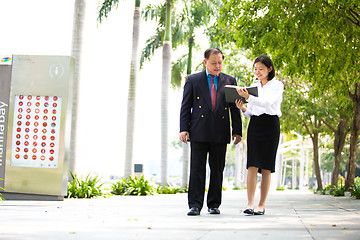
(268, 63)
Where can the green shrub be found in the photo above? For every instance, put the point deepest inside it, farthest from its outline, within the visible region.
(170, 189)
(327, 189)
(339, 190)
(355, 191)
(1, 198)
(132, 186)
(119, 187)
(236, 188)
(336, 191)
(139, 187)
(87, 188)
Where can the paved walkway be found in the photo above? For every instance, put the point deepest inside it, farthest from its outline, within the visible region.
(289, 215)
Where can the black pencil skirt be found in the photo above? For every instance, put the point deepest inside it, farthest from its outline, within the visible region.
(262, 141)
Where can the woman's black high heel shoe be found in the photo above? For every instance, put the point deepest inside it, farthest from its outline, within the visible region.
(260, 212)
(249, 211)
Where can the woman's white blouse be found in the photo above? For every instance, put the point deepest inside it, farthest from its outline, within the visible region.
(268, 101)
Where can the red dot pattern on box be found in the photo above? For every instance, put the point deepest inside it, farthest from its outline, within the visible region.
(36, 128)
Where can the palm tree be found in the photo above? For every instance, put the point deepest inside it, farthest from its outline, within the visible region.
(79, 18)
(165, 81)
(194, 15)
(105, 9)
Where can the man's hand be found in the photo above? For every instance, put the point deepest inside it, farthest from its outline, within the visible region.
(236, 138)
(184, 136)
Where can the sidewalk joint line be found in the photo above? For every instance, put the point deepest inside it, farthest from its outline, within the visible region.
(307, 229)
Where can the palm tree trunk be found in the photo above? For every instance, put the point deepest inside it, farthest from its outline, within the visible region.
(166, 73)
(185, 147)
(79, 18)
(185, 167)
(165, 84)
(129, 169)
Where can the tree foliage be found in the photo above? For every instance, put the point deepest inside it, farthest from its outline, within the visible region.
(315, 47)
(187, 17)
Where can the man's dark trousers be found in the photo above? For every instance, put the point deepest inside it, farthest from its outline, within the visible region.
(199, 152)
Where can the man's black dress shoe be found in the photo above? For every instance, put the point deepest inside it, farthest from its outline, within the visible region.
(194, 211)
(259, 212)
(214, 211)
(249, 211)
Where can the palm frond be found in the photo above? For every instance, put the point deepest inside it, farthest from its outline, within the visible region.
(200, 67)
(153, 43)
(178, 70)
(105, 8)
(152, 12)
(179, 34)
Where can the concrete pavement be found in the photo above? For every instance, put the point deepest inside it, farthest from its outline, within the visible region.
(289, 215)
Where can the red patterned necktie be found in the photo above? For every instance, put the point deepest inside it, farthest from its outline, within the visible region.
(213, 92)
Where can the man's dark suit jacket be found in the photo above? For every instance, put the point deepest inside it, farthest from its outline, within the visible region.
(197, 116)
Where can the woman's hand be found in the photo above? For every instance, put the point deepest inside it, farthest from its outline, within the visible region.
(240, 105)
(243, 92)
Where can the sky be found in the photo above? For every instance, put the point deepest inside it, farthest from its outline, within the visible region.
(44, 27)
